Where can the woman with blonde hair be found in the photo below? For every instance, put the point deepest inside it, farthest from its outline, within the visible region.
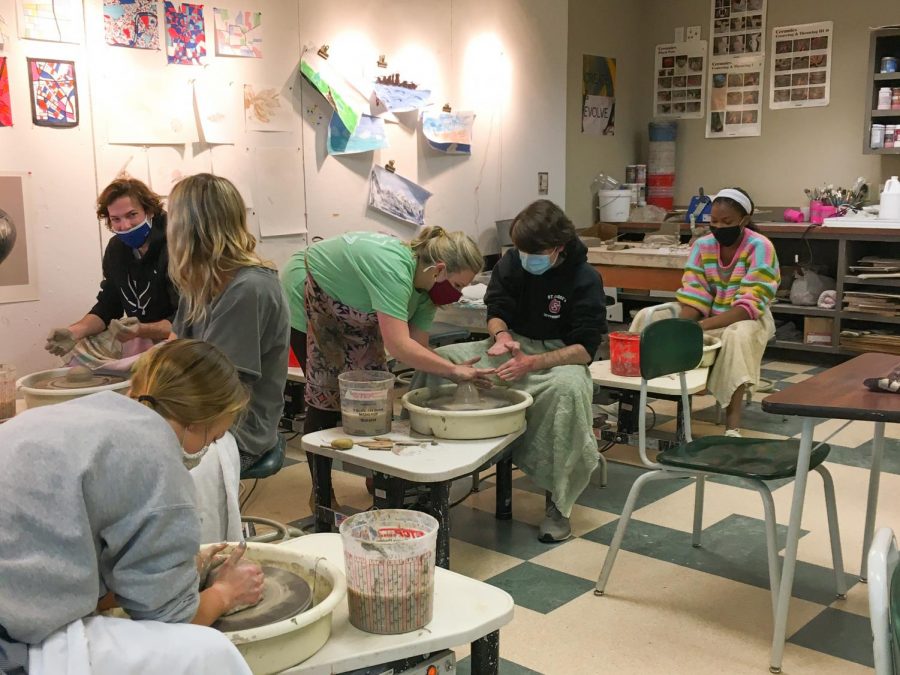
(109, 519)
(231, 298)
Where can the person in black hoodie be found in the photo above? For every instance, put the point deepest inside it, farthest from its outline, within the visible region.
(546, 316)
(135, 271)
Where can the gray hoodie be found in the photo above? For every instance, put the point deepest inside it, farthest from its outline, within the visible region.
(93, 498)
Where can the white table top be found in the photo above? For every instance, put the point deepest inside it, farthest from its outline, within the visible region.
(295, 374)
(666, 385)
(428, 464)
(464, 610)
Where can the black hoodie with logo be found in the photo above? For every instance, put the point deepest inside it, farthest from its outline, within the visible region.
(565, 303)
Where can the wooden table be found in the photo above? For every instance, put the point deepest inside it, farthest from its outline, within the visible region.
(654, 269)
(837, 393)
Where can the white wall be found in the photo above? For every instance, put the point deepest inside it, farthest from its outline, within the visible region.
(504, 59)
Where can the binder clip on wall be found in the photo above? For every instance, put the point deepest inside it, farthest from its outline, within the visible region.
(699, 209)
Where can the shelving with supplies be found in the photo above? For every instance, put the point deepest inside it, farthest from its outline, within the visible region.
(882, 42)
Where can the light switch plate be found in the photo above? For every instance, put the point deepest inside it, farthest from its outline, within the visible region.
(693, 33)
(679, 34)
(543, 183)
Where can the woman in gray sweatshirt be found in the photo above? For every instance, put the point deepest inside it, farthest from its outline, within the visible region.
(97, 510)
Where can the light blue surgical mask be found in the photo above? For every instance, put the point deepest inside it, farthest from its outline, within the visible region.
(536, 263)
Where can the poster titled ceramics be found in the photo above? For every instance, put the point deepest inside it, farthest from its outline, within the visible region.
(735, 104)
(679, 92)
(738, 27)
(801, 65)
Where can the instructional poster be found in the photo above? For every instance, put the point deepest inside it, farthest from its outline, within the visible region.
(734, 96)
(801, 65)
(679, 80)
(738, 27)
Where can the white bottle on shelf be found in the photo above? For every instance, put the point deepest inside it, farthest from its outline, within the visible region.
(890, 200)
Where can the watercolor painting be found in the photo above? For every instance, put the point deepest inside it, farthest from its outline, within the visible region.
(392, 94)
(266, 110)
(238, 33)
(396, 196)
(50, 20)
(369, 135)
(346, 100)
(54, 93)
(449, 132)
(185, 34)
(131, 23)
(18, 278)
(5, 106)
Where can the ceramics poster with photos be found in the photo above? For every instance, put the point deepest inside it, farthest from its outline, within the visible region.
(801, 65)
(679, 92)
(738, 27)
(735, 104)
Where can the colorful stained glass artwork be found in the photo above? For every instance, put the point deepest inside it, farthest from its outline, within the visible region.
(131, 23)
(185, 34)
(5, 108)
(238, 33)
(51, 20)
(54, 93)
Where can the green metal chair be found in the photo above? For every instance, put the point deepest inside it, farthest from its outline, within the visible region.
(674, 346)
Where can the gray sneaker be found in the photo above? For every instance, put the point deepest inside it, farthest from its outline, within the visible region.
(555, 526)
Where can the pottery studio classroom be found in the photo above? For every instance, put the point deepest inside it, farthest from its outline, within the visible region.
(443, 336)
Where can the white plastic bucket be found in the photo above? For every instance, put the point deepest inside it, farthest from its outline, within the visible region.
(367, 402)
(614, 205)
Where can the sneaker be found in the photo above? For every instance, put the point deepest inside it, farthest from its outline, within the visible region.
(555, 526)
(733, 433)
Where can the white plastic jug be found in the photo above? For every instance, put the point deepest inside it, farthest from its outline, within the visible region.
(890, 200)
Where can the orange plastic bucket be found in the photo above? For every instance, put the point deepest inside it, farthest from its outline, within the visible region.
(625, 354)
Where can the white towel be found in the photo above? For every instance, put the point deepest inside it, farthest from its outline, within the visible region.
(217, 481)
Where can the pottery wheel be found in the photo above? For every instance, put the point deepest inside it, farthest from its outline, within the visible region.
(284, 595)
(485, 402)
(64, 382)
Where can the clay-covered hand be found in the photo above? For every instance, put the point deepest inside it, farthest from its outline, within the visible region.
(207, 557)
(517, 367)
(240, 581)
(125, 329)
(60, 341)
(465, 372)
(504, 344)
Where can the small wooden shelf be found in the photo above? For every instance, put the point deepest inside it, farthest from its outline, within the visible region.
(893, 283)
(801, 310)
(883, 151)
(895, 112)
(865, 316)
(881, 77)
(803, 347)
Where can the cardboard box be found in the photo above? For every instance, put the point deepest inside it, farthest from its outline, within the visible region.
(817, 330)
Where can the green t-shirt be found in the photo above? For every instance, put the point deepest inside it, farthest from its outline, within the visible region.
(369, 272)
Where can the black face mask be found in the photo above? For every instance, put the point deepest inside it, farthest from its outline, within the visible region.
(726, 236)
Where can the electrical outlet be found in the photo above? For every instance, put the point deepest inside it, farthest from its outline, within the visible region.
(543, 183)
(679, 34)
(693, 33)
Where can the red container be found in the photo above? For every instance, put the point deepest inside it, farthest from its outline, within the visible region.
(661, 180)
(625, 354)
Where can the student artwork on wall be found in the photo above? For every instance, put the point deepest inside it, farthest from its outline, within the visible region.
(598, 95)
(737, 27)
(54, 93)
(18, 266)
(679, 89)
(185, 34)
(396, 196)
(279, 204)
(5, 106)
(265, 109)
(735, 105)
(346, 100)
(801, 65)
(449, 132)
(217, 104)
(166, 118)
(238, 33)
(50, 20)
(392, 93)
(131, 23)
(369, 136)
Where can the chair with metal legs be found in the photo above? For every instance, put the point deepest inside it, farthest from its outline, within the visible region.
(675, 346)
(884, 601)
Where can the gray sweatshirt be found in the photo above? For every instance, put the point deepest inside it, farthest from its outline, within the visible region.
(93, 498)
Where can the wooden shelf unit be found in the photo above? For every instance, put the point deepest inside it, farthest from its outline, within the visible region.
(882, 42)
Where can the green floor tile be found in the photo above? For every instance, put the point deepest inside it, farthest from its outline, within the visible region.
(862, 456)
(464, 667)
(841, 634)
(540, 588)
(753, 417)
(511, 537)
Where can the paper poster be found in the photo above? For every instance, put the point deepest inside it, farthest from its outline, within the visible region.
(5, 106)
(238, 33)
(50, 20)
(391, 93)
(396, 196)
(18, 260)
(738, 27)
(735, 104)
(346, 100)
(801, 65)
(598, 95)
(217, 106)
(278, 191)
(115, 161)
(167, 167)
(131, 23)
(449, 132)
(185, 34)
(369, 135)
(54, 93)
(165, 118)
(235, 164)
(679, 90)
(265, 109)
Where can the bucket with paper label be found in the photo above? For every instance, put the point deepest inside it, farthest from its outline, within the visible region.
(890, 200)
(367, 402)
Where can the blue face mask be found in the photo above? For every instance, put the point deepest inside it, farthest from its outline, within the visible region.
(535, 263)
(137, 235)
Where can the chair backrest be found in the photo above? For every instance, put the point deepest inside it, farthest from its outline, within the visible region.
(884, 601)
(670, 346)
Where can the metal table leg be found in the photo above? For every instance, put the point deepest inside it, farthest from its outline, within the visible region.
(503, 509)
(486, 654)
(440, 509)
(872, 503)
(322, 491)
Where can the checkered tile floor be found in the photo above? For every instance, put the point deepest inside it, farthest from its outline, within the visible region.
(669, 608)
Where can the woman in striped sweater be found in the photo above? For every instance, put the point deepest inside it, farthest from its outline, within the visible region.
(729, 282)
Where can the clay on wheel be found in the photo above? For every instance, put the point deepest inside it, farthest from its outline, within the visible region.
(79, 374)
(211, 579)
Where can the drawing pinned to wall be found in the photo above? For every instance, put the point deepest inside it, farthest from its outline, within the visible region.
(131, 23)
(5, 106)
(218, 106)
(449, 132)
(50, 20)
(396, 196)
(238, 33)
(346, 99)
(54, 93)
(598, 95)
(236, 165)
(369, 135)
(278, 191)
(165, 118)
(265, 109)
(18, 271)
(393, 94)
(185, 34)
